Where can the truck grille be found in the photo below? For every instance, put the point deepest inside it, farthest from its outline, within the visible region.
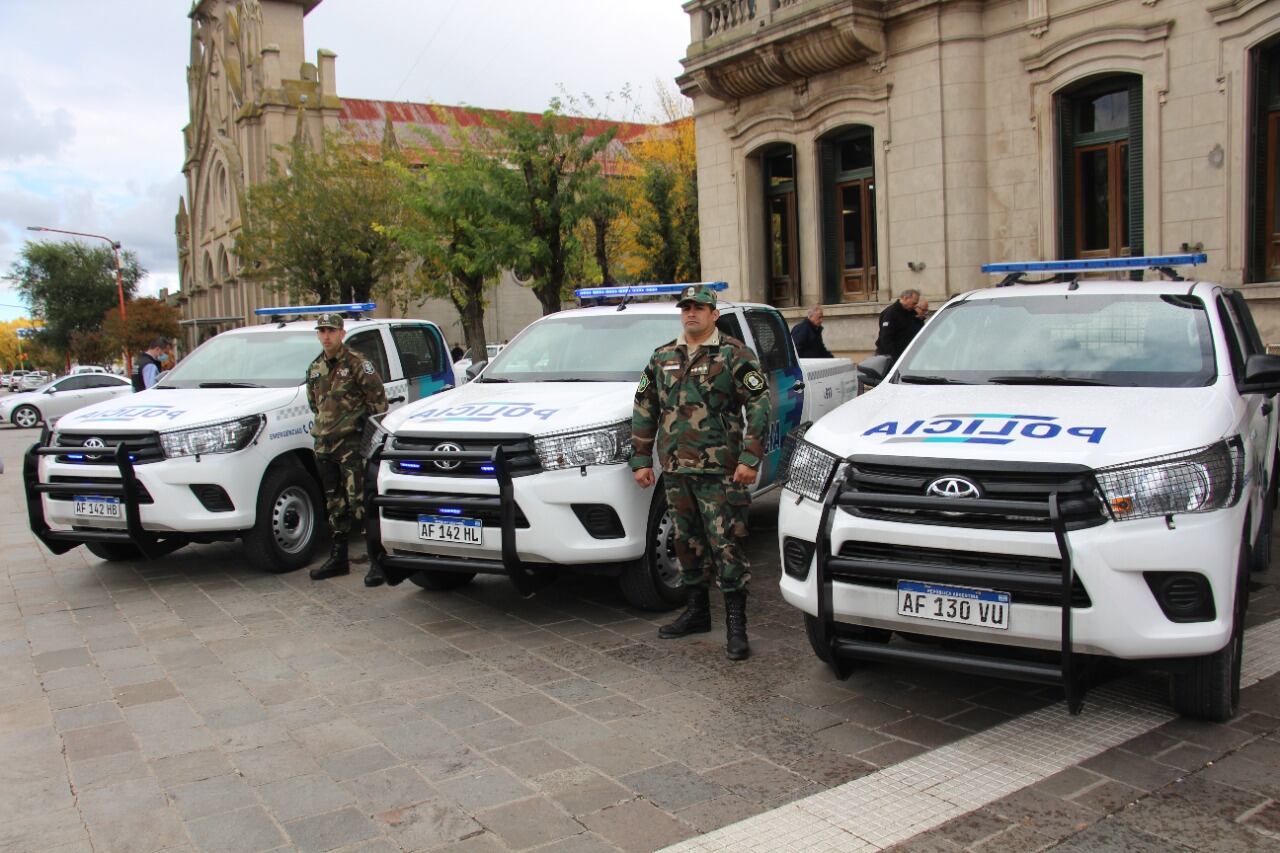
(522, 459)
(896, 489)
(143, 447)
(912, 563)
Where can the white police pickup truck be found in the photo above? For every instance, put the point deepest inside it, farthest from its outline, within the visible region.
(220, 448)
(524, 468)
(1081, 467)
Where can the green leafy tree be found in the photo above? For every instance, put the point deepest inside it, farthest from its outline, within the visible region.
(452, 227)
(145, 320)
(316, 229)
(551, 185)
(69, 286)
(663, 200)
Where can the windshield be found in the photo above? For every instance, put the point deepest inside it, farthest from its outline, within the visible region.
(583, 347)
(1130, 340)
(267, 359)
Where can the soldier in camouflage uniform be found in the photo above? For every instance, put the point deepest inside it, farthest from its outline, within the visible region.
(343, 390)
(690, 401)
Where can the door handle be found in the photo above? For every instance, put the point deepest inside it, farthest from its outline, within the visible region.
(799, 386)
(395, 400)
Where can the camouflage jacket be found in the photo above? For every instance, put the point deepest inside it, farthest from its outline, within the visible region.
(343, 392)
(693, 408)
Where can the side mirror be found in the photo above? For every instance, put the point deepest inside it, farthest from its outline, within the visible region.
(474, 369)
(1261, 374)
(876, 368)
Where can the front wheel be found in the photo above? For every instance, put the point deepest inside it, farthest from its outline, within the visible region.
(438, 581)
(1208, 688)
(652, 581)
(288, 520)
(25, 417)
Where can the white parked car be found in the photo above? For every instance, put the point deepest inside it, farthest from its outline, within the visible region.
(460, 366)
(14, 379)
(88, 368)
(55, 399)
(1068, 469)
(220, 448)
(524, 468)
(33, 380)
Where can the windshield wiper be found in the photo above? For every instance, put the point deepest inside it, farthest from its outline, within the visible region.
(1044, 380)
(921, 379)
(491, 379)
(573, 379)
(229, 385)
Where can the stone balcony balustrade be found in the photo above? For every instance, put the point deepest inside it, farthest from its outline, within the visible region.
(743, 47)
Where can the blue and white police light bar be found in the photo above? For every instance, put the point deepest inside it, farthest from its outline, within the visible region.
(1146, 262)
(294, 310)
(644, 289)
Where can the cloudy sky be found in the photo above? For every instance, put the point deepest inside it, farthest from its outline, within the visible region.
(93, 94)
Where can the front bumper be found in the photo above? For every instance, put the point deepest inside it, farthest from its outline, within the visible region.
(532, 524)
(161, 510)
(1120, 616)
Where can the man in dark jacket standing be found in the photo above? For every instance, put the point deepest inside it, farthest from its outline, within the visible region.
(898, 324)
(807, 335)
(343, 390)
(149, 365)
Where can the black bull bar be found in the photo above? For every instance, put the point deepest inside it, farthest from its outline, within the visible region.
(150, 544)
(525, 578)
(1066, 672)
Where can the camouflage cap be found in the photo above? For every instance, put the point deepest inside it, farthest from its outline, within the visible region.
(698, 293)
(330, 321)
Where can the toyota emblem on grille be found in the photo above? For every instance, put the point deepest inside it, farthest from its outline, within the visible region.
(448, 464)
(953, 487)
(94, 442)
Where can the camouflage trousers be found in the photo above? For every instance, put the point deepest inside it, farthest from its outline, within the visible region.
(709, 512)
(342, 476)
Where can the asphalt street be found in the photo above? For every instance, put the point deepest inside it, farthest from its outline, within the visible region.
(192, 703)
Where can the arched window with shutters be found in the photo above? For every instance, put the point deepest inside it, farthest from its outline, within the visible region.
(1100, 133)
(847, 162)
(1264, 164)
(781, 232)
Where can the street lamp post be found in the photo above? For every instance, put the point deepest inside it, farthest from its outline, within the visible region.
(115, 251)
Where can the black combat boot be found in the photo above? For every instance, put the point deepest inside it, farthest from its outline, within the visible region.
(735, 620)
(374, 577)
(696, 618)
(337, 564)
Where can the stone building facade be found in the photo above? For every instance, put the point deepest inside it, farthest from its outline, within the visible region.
(251, 91)
(851, 149)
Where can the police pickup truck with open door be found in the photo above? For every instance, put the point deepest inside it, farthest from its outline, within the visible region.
(523, 469)
(220, 448)
(1053, 471)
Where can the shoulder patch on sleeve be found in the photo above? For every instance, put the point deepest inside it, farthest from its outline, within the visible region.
(644, 383)
(754, 381)
(367, 367)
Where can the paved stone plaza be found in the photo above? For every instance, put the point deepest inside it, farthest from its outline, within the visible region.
(195, 704)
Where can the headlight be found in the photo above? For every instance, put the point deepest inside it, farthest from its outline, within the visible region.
(807, 469)
(609, 445)
(374, 436)
(225, 437)
(1200, 480)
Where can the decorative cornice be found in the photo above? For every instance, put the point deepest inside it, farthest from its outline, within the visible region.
(1096, 36)
(1221, 13)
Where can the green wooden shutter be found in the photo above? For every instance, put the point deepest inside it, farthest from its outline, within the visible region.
(1066, 179)
(1136, 206)
(831, 248)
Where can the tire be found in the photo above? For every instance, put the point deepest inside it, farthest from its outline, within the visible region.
(25, 417)
(114, 552)
(288, 520)
(852, 632)
(1208, 688)
(438, 581)
(652, 581)
(1260, 553)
